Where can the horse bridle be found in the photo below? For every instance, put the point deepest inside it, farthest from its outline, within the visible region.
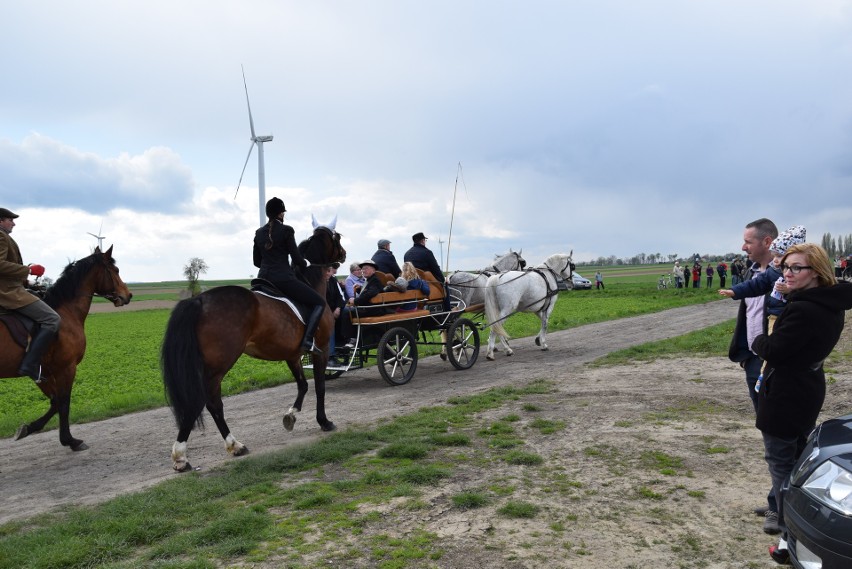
(335, 236)
(110, 296)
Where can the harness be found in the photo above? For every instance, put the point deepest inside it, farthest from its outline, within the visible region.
(487, 271)
(551, 292)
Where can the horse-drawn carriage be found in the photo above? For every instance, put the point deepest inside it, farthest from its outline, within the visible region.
(208, 333)
(392, 336)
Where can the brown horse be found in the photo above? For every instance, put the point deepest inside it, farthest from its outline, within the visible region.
(71, 297)
(207, 334)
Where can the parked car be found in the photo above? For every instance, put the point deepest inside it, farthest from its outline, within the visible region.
(818, 499)
(578, 281)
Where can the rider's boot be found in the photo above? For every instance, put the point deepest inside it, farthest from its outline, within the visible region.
(308, 344)
(31, 364)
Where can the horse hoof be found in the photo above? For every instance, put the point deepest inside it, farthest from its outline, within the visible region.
(328, 427)
(510, 353)
(544, 348)
(78, 446)
(22, 432)
(243, 450)
(289, 421)
(185, 468)
(444, 356)
(489, 358)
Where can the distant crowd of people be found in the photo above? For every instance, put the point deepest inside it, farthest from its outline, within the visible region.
(683, 274)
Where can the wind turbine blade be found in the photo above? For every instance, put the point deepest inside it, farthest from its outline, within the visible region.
(244, 169)
(92, 234)
(248, 103)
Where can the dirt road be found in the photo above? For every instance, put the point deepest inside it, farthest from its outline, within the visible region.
(132, 452)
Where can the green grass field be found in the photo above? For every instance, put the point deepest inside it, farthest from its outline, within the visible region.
(120, 372)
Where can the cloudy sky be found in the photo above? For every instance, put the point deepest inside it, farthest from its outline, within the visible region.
(607, 127)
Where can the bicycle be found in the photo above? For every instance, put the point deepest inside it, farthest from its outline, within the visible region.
(665, 281)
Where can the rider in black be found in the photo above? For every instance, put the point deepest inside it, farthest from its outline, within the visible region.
(274, 245)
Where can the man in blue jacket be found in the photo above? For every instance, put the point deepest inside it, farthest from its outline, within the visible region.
(384, 259)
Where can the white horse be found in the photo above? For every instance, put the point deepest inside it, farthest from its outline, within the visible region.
(469, 288)
(532, 290)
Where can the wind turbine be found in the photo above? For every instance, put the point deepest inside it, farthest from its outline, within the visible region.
(258, 140)
(99, 237)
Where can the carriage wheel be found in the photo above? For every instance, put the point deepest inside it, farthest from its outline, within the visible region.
(463, 343)
(397, 356)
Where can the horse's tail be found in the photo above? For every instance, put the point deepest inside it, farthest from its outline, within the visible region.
(182, 366)
(492, 307)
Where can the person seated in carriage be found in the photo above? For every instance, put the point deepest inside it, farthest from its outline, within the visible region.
(385, 261)
(424, 259)
(355, 281)
(335, 296)
(372, 287)
(14, 297)
(274, 246)
(412, 282)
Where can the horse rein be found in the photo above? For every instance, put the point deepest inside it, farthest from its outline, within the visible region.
(489, 271)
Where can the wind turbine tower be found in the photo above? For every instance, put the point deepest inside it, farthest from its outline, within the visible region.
(255, 140)
(99, 237)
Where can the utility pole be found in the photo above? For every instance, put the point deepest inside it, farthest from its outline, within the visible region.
(441, 244)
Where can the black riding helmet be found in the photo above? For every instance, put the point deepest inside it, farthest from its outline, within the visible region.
(273, 207)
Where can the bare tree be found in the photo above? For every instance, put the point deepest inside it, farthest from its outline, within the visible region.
(192, 271)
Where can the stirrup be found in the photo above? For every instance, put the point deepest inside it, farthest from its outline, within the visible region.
(313, 349)
(37, 378)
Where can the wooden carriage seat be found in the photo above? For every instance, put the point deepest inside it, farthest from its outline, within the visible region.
(384, 278)
(436, 289)
(393, 299)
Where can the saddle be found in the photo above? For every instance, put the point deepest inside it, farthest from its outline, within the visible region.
(266, 288)
(20, 327)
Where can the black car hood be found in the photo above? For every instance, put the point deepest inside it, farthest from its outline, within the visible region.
(831, 440)
(835, 432)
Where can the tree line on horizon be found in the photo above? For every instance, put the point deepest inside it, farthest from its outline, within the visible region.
(835, 247)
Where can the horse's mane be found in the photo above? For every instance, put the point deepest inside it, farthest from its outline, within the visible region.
(66, 286)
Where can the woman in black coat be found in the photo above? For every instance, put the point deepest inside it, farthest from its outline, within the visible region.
(274, 246)
(793, 388)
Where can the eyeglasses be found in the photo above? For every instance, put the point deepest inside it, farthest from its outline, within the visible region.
(795, 269)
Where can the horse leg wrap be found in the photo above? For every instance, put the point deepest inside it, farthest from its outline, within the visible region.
(179, 457)
(235, 447)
